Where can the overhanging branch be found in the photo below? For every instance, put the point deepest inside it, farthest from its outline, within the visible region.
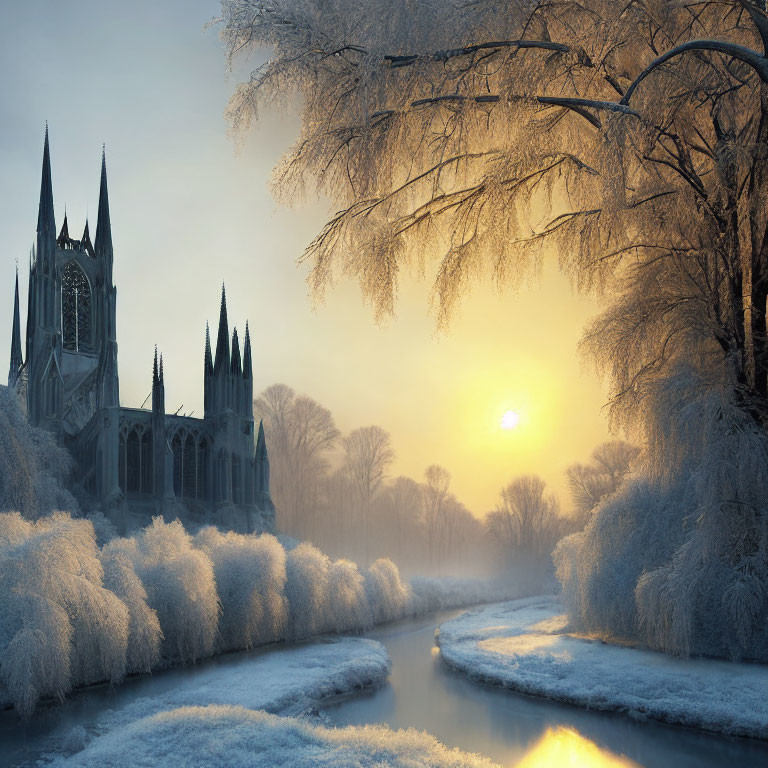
(742, 53)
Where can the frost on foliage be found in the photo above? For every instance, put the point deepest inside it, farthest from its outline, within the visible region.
(678, 557)
(307, 591)
(59, 626)
(347, 601)
(388, 596)
(250, 577)
(144, 633)
(32, 465)
(180, 586)
(260, 740)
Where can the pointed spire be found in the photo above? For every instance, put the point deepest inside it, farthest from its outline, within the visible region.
(46, 222)
(162, 375)
(208, 364)
(155, 376)
(261, 443)
(103, 226)
(247, 364)
(64, 234)
(16, 359)
(236, 367)
(222, 342)
(87, 245)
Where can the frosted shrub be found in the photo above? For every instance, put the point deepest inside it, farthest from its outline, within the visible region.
(347, 600)
(307, 591)
(144, 634)
(250, 577)
(180, 586)
(635, 529)
(678, 557)
(59, 626)
(31, 464)
(388, 596)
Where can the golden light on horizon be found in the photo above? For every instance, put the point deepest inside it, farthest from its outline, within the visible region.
(510, 420)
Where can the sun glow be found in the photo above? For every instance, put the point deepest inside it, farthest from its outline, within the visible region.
(567, 747)
(510, 420)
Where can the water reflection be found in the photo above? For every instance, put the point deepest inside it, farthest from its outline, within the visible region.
(566, 747)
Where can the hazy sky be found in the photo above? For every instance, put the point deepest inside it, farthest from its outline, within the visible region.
(190, 210)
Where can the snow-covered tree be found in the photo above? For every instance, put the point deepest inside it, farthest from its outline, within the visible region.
(59, 625)
(144, 633)
(347, 599)
(250, 580)
(389, 597)
(32, 465)
(631, 139)
(180, 585)
(307, 591)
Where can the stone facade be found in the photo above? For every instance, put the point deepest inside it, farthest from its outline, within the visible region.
(132, 463)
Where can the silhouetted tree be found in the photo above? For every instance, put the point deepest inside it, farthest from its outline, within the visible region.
(525, 522)
(602, 476)
(369, 454)
(300, 432)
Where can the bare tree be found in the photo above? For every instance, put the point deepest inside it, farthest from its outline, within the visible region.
(438, 481)
(301, 432)
(525, 521)
(369, 455)
(589, 483)
(630, 138)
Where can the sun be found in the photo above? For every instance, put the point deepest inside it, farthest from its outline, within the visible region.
(510, 420)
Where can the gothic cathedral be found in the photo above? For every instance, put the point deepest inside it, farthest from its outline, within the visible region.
(132, 463)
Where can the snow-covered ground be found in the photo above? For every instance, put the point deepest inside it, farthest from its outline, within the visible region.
(235, 737)
(523, 645)
(219, 719)
(290, 681)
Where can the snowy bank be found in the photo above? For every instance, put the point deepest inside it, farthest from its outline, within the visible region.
(231, 737)
(290, 681)
(286, 681)
(523, 645)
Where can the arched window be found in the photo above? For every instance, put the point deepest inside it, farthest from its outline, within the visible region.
(177, 444)
(202, 470)
(75, 308)
(190, 468)
(122, 458)
(133, 460)
(236, 495)
(147, 484)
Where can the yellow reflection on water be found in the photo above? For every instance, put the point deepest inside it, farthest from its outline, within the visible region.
(566, 748)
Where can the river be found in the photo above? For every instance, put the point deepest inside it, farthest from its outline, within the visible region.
(423, 693)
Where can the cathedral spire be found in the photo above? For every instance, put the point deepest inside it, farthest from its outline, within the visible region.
(247, 364)
(103, 241)
(222, 342)
(261, 443)
(208, 364)
(87, 245)
(64, 234)
(16, 359)
(46, 223)
(236, 367)
(155, 376)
